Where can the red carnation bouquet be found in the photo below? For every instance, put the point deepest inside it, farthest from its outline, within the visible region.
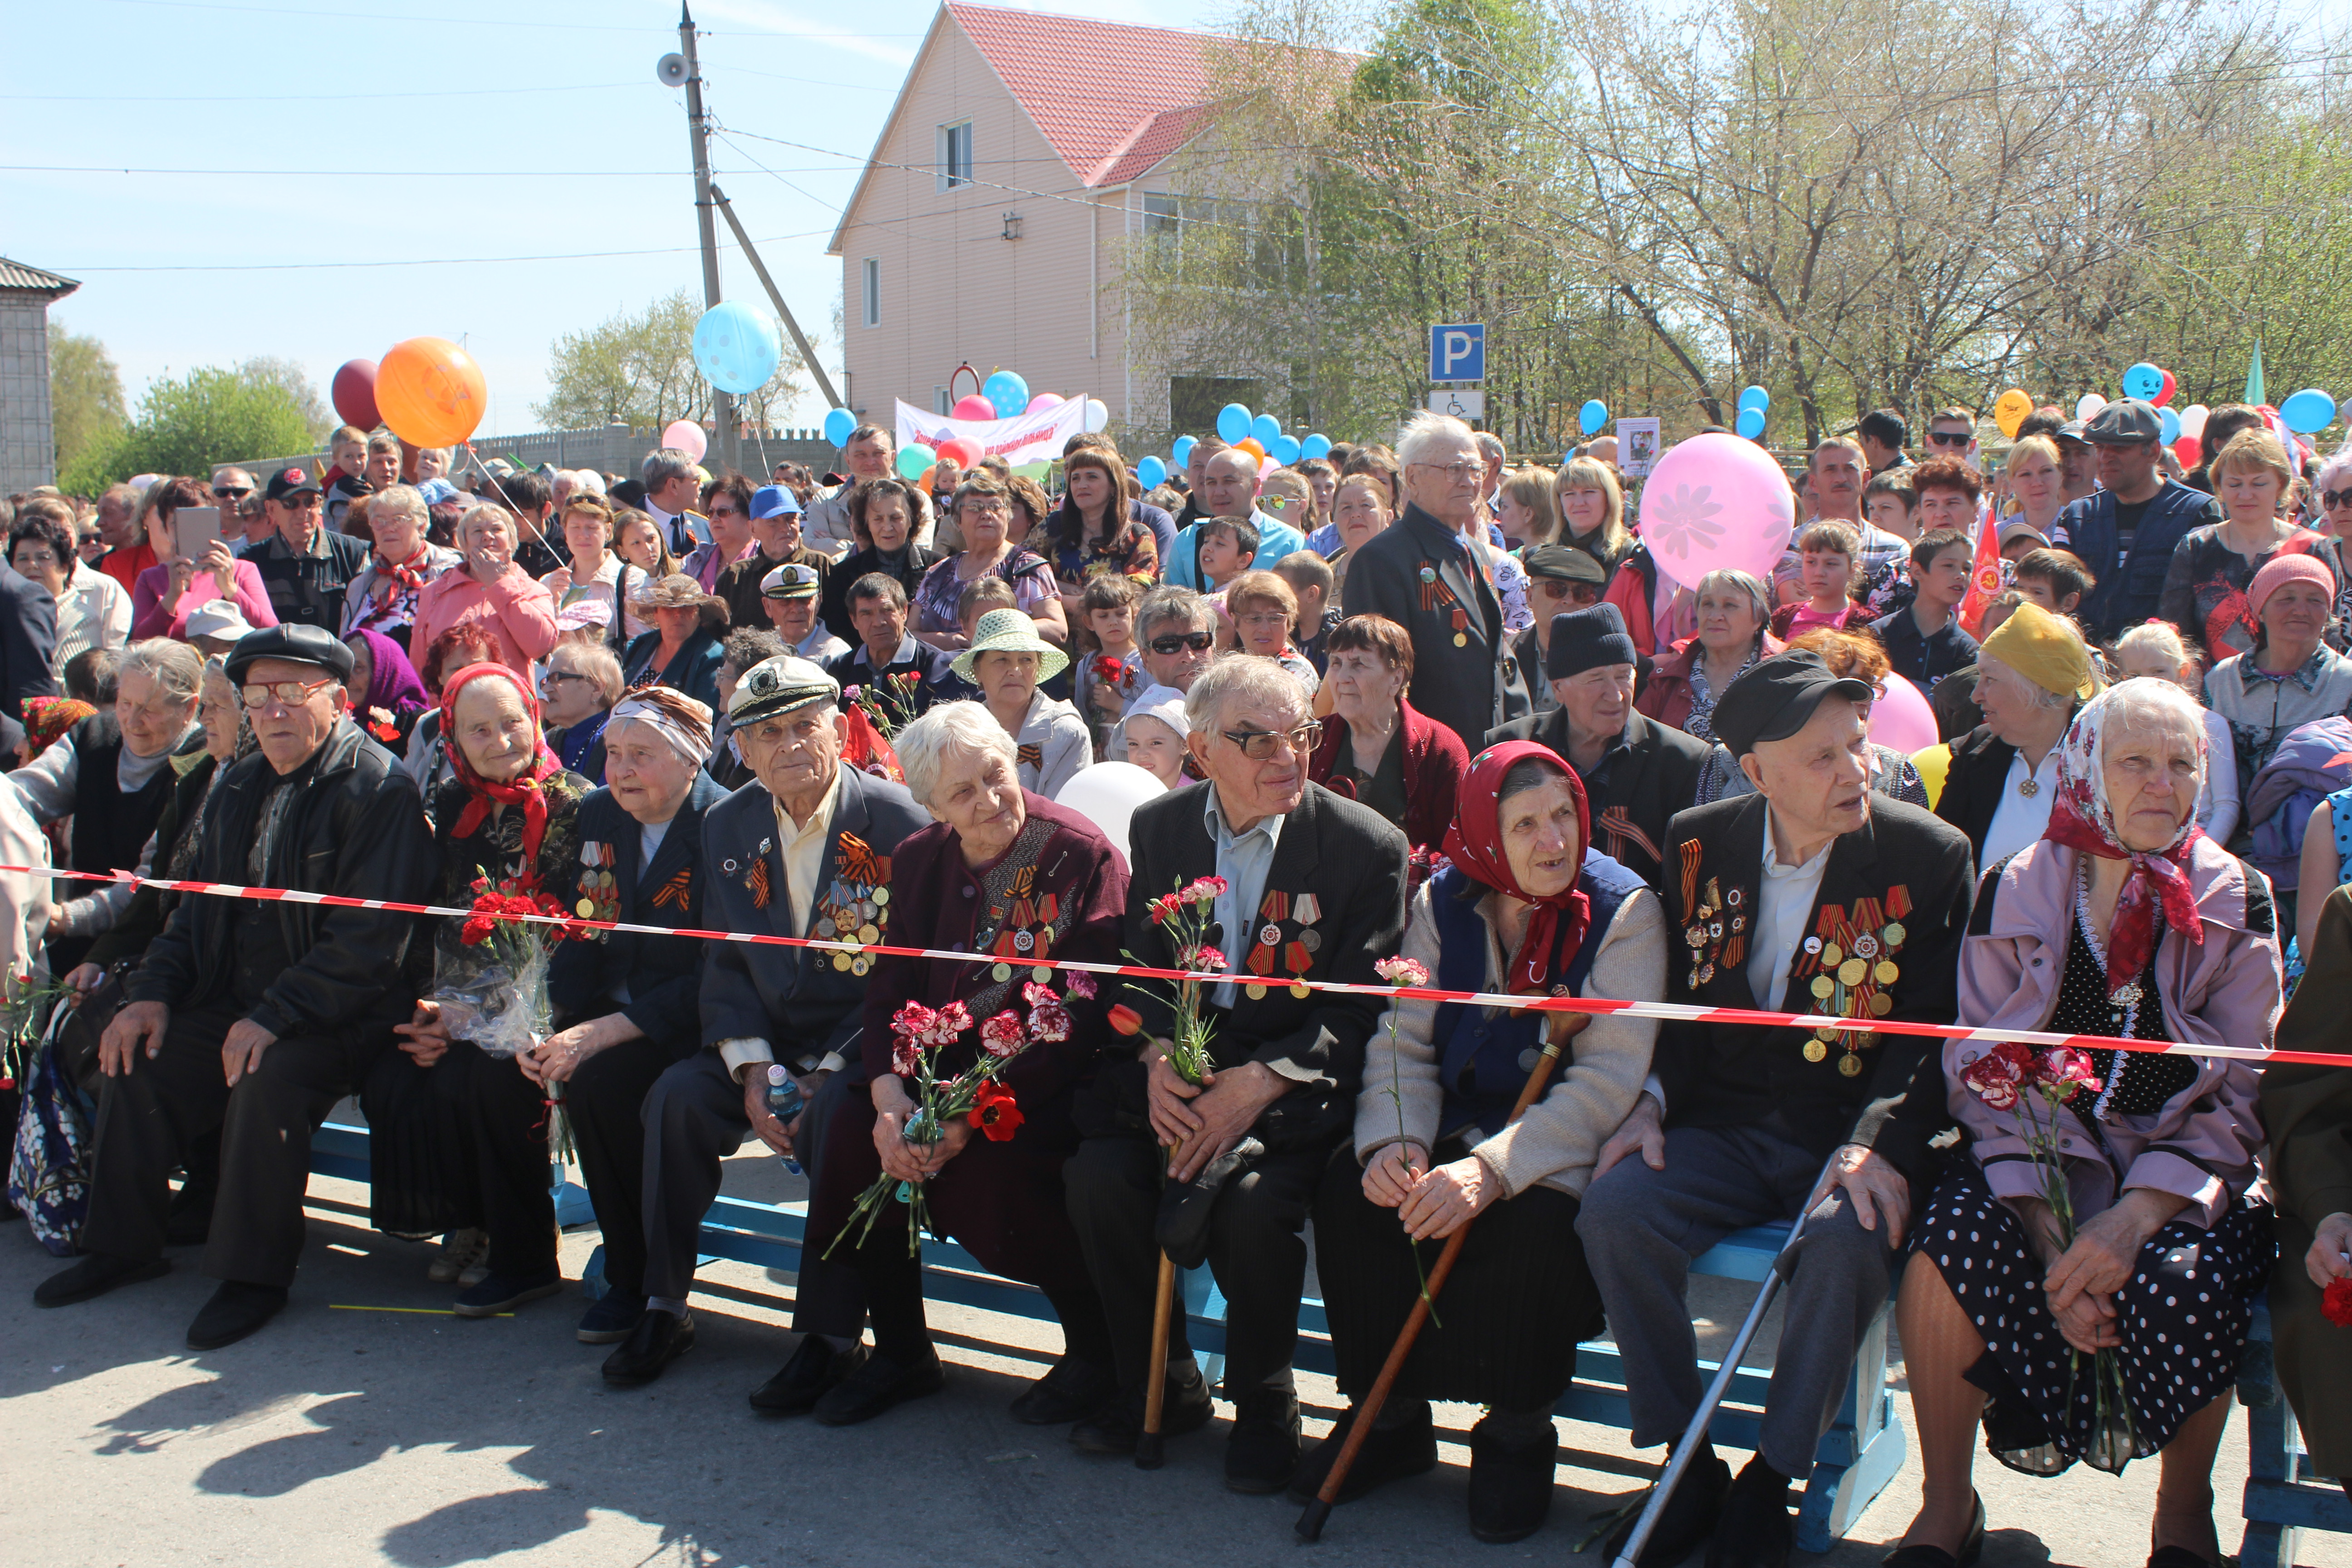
(2013, 1077)
(500, 1002)
(888, 702)
(923, 1037)
(1187, 914)
(2335, 1303)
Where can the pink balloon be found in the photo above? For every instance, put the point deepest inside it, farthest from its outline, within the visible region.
(974, 408)
(1714, 502)
(1901, 718)
(686, 436)
(1044, 400)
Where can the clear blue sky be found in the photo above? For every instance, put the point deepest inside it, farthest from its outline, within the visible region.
(298, 138)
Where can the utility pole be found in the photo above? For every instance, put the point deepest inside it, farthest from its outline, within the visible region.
(698, 129)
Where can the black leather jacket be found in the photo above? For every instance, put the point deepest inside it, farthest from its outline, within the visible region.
(358, 830)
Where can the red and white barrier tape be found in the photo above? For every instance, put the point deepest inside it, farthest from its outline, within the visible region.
(1599, 1005)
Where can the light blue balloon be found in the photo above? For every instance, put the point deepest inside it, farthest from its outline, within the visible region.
(2309, 412)
(1592, 415)
(2145, 381)
(1268, 429)
(1750, 423)
(736, 347)
(1152, 472)
(1233, 423)
(839, 425)
(1286, 449)
(1756, 397)
(1315, 446)
(1006, 393)
(1182, 450)
(2168, 425)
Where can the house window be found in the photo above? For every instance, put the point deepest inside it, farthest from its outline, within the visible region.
(1160, 215)
(955, 155)
(873, 292)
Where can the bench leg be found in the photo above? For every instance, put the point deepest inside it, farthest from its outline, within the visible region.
(2268, 1546)
(1837, 1495)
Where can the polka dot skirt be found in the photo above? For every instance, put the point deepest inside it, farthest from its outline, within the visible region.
(2183, 1317)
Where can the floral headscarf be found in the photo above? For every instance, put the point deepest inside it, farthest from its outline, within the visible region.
(523, 790)
(1474, 843)
(48, 720)
(2083, 818)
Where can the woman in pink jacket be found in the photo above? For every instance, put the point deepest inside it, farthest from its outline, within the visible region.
(491, 592)
(2125, 921)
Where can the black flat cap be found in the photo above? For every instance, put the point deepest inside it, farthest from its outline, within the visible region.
(1563, 561)
(303, 645)
(1587, 639)
(1777, 697)
(2125, 422)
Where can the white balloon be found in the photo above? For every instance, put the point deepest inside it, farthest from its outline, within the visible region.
(2091, 404)
(1106, 796)
(1097, 415)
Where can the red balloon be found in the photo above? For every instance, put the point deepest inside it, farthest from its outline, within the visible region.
(353, 393)
(963, 454)
(2170, 386)
(974, 407)
(2187, 450)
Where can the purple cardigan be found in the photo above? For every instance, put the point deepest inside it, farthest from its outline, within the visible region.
(2226, 991)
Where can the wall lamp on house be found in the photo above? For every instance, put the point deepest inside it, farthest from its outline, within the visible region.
(1012, 226)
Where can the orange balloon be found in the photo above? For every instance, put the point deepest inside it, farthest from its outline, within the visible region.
(430, 392)
(1249, 445)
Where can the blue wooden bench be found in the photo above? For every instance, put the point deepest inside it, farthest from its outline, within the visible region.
(2281, 1502)
(1859, 1456)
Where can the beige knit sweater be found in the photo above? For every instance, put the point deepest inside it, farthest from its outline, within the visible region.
(1558, 1140)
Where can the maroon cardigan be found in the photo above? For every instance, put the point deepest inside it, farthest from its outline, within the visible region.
(1667, 697)
(1436, 761)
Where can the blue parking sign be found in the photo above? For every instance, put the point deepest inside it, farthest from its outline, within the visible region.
(1458, 352)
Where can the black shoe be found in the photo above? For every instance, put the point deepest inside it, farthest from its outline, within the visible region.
(93, 1276)
(1754, 1531)
(1688, 1518)
(504, 1292)
(1926, 1556)
(1388, 1454)
(607, 1321)
(1262, 1454)
(1510, 1481)
(1071, 1391)
(235, 1311)
(659, 1339)
(814, 1371)
(875, 1386)
(1114, 1428)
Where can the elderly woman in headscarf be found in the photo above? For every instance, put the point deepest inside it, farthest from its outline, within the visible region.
(625, 1003)
(458, 1137)
(1526, 907)
(2121, 921)
(393, 698)
(1005, 874)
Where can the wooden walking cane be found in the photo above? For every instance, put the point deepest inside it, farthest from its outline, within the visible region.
(1150, 1447)
(1564, 1027)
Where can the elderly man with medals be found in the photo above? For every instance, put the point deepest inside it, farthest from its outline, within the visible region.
(805, 851)
(1816, 894)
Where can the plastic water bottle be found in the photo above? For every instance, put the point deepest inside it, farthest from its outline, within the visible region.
(784, 1103)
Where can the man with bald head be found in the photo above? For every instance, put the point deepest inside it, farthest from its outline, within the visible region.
(1229, 488)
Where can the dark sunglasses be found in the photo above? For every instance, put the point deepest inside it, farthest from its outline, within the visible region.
(2331, 499)
(231, 493)
(1176, 642)
(1950, 437)
(1562, 588)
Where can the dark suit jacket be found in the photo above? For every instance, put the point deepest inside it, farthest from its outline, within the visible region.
(663, 972)
(1655, 777)
(791, 998)
(1469, 688)
(1973, 783)
(28, 645)
(1719, 1074)
(1352, 860)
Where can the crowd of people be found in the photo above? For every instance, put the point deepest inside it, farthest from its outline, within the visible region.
(1402, 710)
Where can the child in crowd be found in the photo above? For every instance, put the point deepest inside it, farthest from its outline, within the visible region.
(1155, 742)
(1110, 671)
(990, 592)
(90, 675)
(1923, 642)
(1265, 613)
(1287, 497)
(1226, 546)
(1826, 551)
(2155, 651)
(2057, 581)
(1312, 580)
(1888, 501)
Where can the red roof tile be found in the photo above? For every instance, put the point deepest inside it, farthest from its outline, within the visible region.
(1111, 99)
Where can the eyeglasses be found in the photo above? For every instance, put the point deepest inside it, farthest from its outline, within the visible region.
(1460, 473)
(308, 502)
(1562, 588)
(2331, 499)
(726, 512)
(36, 558)
(553, 676)
(1951, 437)
(1258, 745)
(1176, 642)
(1265, 619)
(291, 693)
(231, 493)
(978, 508)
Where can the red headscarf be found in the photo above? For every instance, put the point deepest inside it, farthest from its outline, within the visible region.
(1474, 843)
(524, 789)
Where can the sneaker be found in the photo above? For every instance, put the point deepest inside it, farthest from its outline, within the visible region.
(607, 1321)
(460, 1250)
(505, 1292)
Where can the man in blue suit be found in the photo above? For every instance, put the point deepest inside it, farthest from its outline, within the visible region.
(802, 852)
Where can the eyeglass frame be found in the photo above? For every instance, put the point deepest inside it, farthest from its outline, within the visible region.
(276, 689)
(1312, 729)
(2330, 500)
(1196, 642)
(1460, 473)
(1951, 437)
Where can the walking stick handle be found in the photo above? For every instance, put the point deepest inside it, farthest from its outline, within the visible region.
(1562, 1029)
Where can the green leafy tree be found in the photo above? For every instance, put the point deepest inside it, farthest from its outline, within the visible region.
(637, 368)
(85, 405)
(187, 424)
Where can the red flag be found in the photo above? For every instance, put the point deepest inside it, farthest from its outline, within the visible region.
(1985, 572)
(867, 751)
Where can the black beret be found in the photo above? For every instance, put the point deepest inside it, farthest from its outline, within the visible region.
(303, 645)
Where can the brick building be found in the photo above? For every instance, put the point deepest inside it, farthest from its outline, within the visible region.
(28, 449)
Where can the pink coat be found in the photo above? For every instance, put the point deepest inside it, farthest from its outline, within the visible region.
(518, 613)
(151, 617)
(2226, 991)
